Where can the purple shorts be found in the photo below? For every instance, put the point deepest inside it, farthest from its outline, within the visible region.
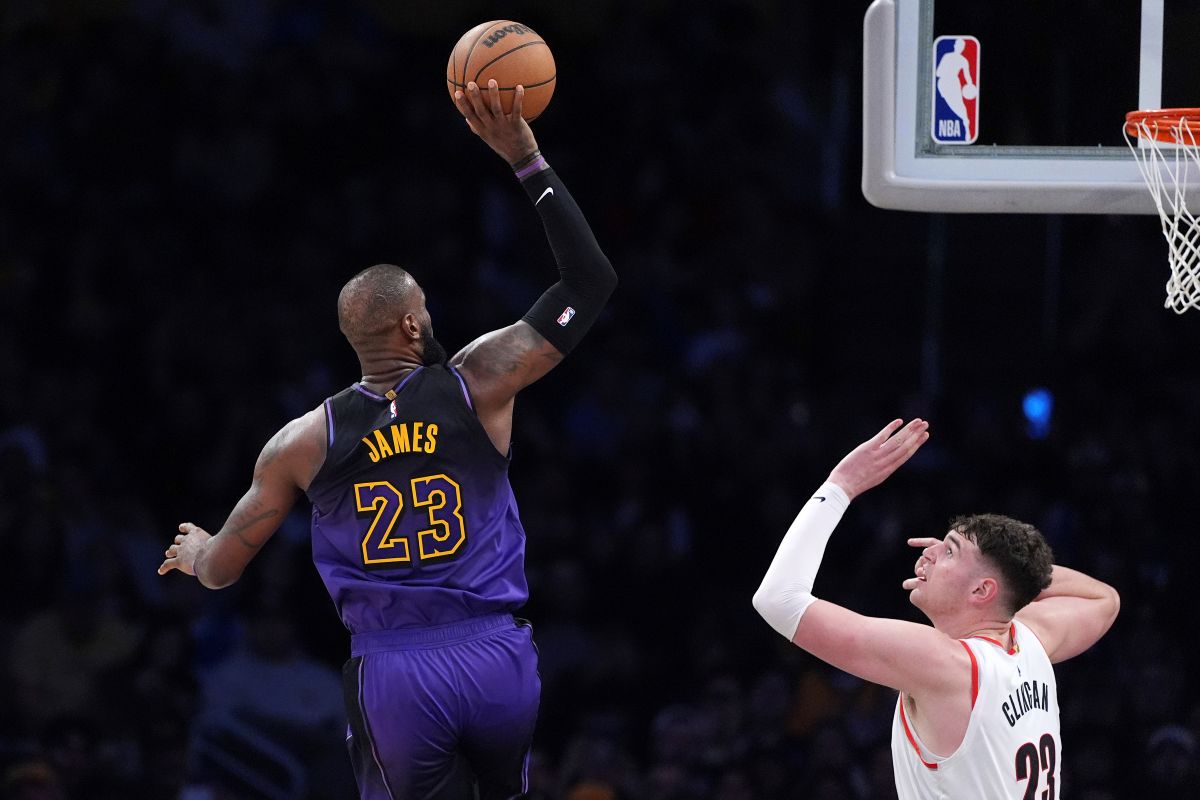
(438, 712)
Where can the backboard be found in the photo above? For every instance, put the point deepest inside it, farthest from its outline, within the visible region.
(1018, 107)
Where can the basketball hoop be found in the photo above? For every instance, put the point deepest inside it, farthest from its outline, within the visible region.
(1169, 160)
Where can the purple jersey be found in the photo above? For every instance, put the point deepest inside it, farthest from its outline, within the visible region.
(414, 522)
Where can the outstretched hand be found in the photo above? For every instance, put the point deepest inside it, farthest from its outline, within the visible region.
(508, 134)
(182, 554)
(874, 460)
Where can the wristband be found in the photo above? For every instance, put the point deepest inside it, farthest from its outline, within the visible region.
(530, 165)
(525, 160)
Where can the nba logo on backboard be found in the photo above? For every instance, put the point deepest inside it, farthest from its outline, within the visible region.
(565, 316)
(955, 89)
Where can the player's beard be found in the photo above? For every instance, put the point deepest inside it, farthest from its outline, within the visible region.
(432, 352)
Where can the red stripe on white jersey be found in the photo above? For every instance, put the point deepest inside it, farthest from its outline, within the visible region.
(911, 739)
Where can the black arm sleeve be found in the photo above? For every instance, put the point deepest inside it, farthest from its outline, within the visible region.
(567, 309)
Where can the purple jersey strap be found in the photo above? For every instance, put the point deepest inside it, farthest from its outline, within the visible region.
(463, 384)
(329, 419)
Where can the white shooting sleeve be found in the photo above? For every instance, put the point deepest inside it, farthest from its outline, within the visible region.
(786, 590)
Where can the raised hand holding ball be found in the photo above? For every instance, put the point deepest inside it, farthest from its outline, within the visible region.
(509, 53)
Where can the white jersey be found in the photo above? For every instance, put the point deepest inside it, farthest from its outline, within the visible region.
(1012, 748)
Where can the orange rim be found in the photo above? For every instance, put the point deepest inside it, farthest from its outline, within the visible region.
(1163, 124)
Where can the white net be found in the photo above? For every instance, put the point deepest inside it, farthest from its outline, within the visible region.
(1169, 160)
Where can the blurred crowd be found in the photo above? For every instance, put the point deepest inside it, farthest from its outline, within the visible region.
(185, 186)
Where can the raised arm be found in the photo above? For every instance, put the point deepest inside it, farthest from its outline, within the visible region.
(906, 656)
(903, 655)
(1072, 613)
(286, 466)
(501, 363)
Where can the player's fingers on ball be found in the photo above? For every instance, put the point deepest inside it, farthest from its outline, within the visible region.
(476, 99)
(518, 101)
(470, 116)
(494, 98)
(462, 103)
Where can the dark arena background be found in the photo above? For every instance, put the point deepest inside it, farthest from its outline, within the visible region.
(184, 187)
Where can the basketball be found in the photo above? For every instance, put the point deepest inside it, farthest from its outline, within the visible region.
(970, 91)
(512, 54)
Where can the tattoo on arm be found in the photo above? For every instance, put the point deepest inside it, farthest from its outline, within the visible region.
(242, 520)
(238, 530)
(269, 453)
(511, 350)
(501, 363)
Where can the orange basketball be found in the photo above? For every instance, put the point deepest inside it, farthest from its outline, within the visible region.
(511, 53)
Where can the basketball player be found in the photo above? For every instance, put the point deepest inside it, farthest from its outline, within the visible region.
(415, 528)
(977, 715)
